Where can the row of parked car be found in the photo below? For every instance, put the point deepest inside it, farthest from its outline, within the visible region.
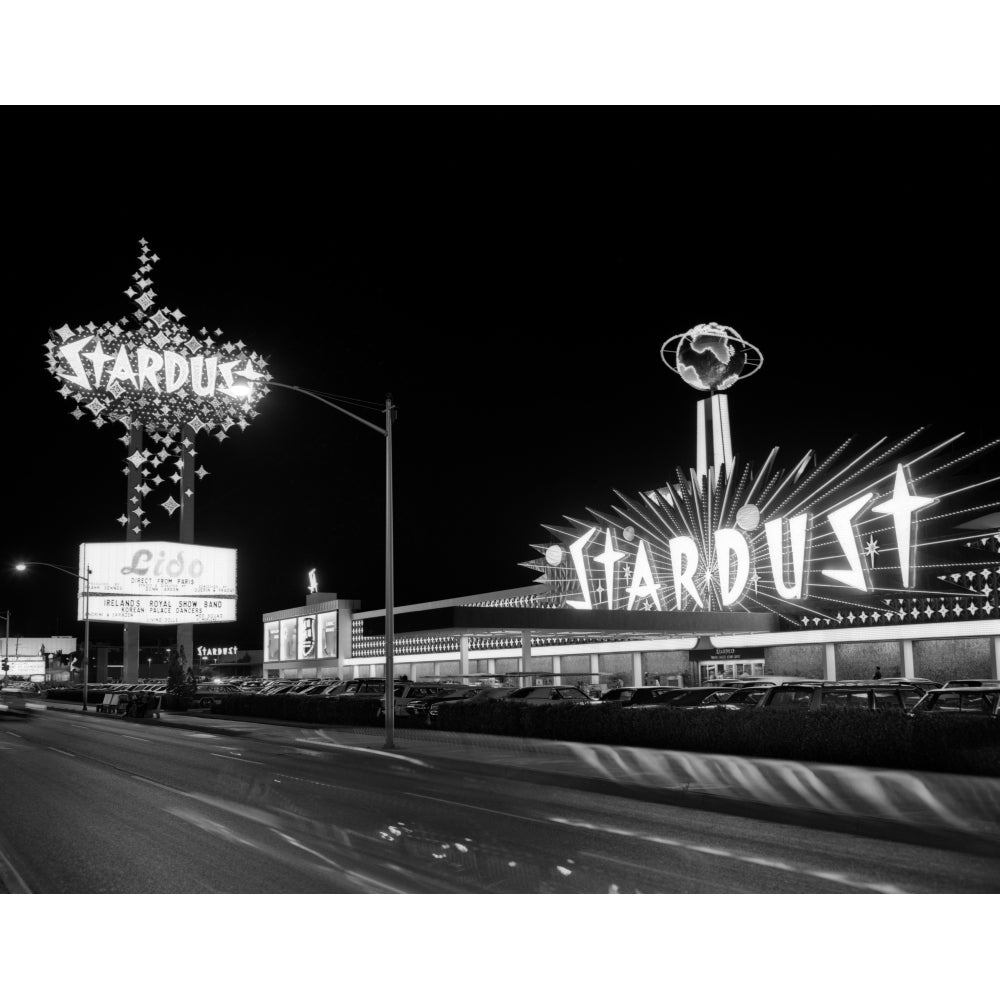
(420, 701)
(970, 697)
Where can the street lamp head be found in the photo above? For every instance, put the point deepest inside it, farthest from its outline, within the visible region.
(21, 567)
(241, 389)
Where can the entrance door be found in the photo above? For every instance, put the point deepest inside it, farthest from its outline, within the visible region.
(730, 670)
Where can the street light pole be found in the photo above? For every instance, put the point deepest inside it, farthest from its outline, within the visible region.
(21, 567)
(6, 646)
(390, 635)
(386, 432)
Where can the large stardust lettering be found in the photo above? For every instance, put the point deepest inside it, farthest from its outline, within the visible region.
(149, 363)
(840, 521)
(122, 371)
(197, 364)
(175, 371)
(71, 352)
(729, 542)
(608, 558)
(684, 562)
(643, 585)
(229, 383)
(775, 549)
(576, 551)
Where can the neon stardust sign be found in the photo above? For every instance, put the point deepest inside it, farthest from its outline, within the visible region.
(174, 381)
(732, 560)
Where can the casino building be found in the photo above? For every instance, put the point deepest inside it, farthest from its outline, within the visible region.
(875, 556)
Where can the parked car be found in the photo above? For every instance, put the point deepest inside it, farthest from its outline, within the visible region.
(742, 698)
(639, 697)
(207, 695)
(813, 697)
(962, 702)
(764, 680)
(479, 695)
(418, 709)
(404, 692)
(627, 694)
(967, 682)
(551, 692)
(327, 690)
(700, 697)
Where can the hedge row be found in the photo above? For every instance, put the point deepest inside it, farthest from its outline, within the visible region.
(170, 702)
(75, 694)
(298, 708)
(869, 739)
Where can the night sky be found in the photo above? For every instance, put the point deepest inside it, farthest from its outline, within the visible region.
(514, 302)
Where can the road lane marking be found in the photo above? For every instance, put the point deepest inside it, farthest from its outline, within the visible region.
(9, 733)
(6, 868)
(65, 753)
(466, 805)
(880, 887)
(380, 753)
(242, 760)
(203, 736)
(141, 739)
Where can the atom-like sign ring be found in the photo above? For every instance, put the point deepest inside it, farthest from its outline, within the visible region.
(711, 357)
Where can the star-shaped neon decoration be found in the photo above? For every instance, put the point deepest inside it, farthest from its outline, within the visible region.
(902, 507)
(871, 550)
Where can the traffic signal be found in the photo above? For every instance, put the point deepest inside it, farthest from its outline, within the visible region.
(6, 666)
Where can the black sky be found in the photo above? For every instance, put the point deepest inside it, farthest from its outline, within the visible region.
(513, 297)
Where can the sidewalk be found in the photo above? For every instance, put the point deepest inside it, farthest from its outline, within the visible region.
(958, 812)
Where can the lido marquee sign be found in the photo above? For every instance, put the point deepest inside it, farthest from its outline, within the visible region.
(158, 583)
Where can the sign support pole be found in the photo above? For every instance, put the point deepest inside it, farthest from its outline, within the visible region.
(133, 533)
(185, 632)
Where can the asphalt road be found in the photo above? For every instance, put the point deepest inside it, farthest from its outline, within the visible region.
(97, 805)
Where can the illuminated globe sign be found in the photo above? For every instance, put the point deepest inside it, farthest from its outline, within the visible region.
(865, 536)
(711, 357)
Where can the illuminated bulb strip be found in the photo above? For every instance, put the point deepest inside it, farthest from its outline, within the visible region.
(678, 509)
(763, 501)
(792, 476)
(962, 513)
(646, 526)
(774, 611)
(812, 612)
(965, 489)
(724, 503)
(878, 461)
(873, 633)
(765, 471)
(961, 458)
(852, 604)
(670, 531)
(819, 470)
(741, 487)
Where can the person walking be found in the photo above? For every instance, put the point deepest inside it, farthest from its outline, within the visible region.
(878, 674)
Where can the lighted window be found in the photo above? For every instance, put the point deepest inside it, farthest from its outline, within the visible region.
(327, 631)
(272, 642)
(289, 639)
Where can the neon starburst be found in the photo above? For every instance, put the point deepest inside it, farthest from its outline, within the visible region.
(802, 527)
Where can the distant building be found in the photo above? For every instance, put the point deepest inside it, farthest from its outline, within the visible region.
(37, 658)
